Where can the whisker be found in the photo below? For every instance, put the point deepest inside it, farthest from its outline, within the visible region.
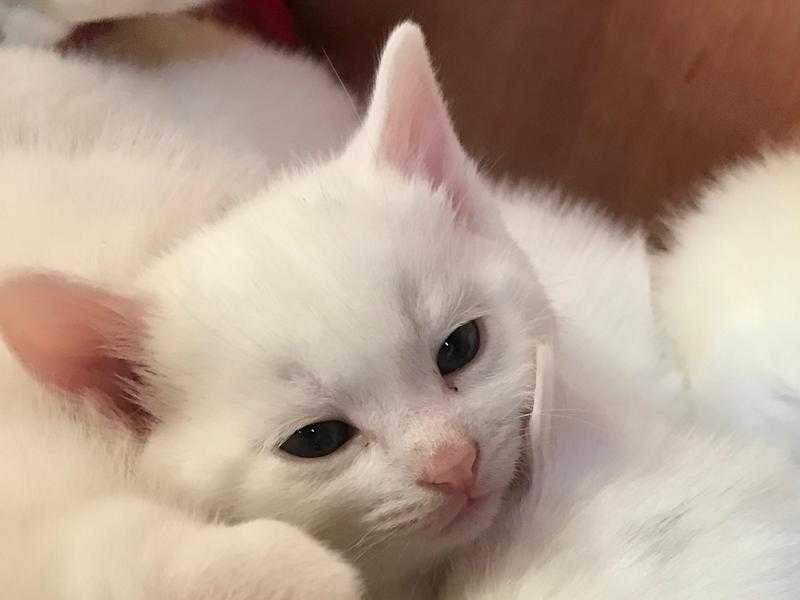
(353, 104)
(592, 424)
(379, 540)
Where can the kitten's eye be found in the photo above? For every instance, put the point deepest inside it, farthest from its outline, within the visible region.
(318, 439)
(459, 348)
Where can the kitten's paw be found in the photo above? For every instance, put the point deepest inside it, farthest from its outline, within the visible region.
(20, 25)
(259, 560)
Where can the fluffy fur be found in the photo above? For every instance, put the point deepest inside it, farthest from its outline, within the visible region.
(327, 311)
(727, 297)
(99, 177)
(165, 381)
(324, 242)
(650, 488)
(682, 515)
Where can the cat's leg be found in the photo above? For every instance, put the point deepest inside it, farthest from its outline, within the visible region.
(46, 22)
(129, 548)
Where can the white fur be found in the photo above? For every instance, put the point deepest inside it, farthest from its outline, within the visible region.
(327, 311)
(139, 149)
(332, 314)
(327, 296)
(727, 295)
(639, 499)
(685, 516)
(98, 177)
(77, 525)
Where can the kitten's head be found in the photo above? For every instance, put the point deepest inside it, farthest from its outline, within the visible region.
(353, 350)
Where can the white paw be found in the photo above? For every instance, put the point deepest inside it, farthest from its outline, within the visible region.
(260, 560)
(28, 27)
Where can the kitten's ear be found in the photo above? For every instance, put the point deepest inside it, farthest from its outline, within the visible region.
(407, 124)
(76, 337)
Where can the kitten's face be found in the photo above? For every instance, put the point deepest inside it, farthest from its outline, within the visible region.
(300, 345)
(329, 301)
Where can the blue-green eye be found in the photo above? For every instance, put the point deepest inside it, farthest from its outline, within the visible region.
(460, 347)
(318, 439)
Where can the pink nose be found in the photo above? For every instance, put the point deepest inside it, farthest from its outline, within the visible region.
(452, 467)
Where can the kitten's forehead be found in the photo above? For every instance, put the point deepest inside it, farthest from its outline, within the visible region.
(369, 238)
(380, 259)
(341, 268)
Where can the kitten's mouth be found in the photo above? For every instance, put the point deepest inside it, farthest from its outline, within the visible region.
(464, 518)
(462, 511)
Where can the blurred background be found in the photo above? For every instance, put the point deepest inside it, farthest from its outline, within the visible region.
(628, 103)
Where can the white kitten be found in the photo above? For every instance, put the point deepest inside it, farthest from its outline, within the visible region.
(349, 277)
(370, 311)
(353, 352)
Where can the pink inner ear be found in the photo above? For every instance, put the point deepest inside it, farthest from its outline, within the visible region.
(418, 139)
(75, 337)
(408, 120)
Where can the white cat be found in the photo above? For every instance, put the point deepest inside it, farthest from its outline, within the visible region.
(353, 351)
(301, 359)
(335, 310)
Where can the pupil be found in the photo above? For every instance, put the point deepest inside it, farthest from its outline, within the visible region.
(318, 439)
(459, 348)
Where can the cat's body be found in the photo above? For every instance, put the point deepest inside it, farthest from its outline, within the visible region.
(296, 357)
(638, 498)
(685, 515)
(681, 490)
